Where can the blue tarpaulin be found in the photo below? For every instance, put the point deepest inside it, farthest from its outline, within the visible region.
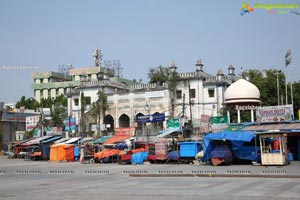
(139, 157)
(189, 149)
(173, 156)
(237, 139)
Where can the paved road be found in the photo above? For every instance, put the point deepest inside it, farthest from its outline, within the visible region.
(43, 180)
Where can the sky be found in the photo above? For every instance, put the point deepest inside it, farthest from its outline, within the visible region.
(141, 34)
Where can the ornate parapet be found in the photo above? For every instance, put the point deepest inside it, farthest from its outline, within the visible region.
(147, 87)
(56, 85)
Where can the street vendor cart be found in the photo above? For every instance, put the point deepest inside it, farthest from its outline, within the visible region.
(273, 148)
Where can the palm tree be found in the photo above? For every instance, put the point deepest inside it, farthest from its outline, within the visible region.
(98, 109)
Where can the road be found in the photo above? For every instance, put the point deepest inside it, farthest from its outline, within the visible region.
(45, 180)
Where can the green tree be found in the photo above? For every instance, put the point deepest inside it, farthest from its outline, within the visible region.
(162, 75)
(46, 102)
(296, 97)
(62, 100)
(98, 108)
(58, 114)
(84, 101)
(158, 75)
(21, 102)
(27, 103)
(58, 109)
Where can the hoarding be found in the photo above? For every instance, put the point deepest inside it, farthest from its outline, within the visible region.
(154, 94)
(173, 123)
(70, 124)
(218, 123)
(274, 113)
(31, 122)
(204, 123)
(158, 117)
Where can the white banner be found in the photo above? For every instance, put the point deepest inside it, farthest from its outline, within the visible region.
(274, 113)
(31, 122)
(154, 94)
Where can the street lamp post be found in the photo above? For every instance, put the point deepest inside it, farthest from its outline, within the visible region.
(69, 108)
(278, 94)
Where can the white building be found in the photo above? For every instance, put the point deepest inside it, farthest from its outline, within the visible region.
(197, 93)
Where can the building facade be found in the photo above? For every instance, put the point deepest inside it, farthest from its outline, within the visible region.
(197, 93)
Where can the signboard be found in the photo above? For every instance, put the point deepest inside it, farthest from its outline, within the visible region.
(274, 113)
(219, 120)
(70, 124)
(159, 117)
(204, 123)
(154, 94)
(31, 122)
(53, 130)
(125, 131)
(218, 123)
(173, 123)
(94, 127)
(37, 133)
(14, 116)
(20, 135)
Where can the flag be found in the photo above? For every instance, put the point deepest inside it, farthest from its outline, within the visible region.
(288, 53)
(288, 58)
(287, 61)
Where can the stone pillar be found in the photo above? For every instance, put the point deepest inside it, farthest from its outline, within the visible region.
(238, 116)
(94, 77)
(252, 115)
(45, 94)
(228, 116)
(53, 93)
(61, 91)
(37, 95)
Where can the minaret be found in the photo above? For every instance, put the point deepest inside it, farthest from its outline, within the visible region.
(173, 67)
(199, 66)
(231, 70)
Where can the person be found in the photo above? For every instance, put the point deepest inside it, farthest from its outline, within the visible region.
(199, 156)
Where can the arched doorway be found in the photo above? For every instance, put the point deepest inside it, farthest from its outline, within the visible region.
(158, 126)
(124, 121)
(139, 129)
(109, 123)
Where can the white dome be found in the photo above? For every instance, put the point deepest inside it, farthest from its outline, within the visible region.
(242, 91)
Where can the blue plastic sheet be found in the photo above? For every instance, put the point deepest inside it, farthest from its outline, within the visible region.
(221, 151)
(121, 146)
(237, 139)
(189, 149)
(173, 156)
(139, 157)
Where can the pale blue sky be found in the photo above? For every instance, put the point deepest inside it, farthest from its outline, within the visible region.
(141, 34)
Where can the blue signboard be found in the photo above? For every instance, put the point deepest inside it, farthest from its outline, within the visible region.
(159, 117)
(70, 122)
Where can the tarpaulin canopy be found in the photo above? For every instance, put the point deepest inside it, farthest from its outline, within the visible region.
(62, 152)
(117, 138)
(168, 132)
(74, 140)
(237, 139)
(36, 141)
(290, 127)
(105, 153)
(102, 140)
(52, 139)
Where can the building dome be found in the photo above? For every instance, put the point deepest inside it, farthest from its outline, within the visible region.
(242, 92)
